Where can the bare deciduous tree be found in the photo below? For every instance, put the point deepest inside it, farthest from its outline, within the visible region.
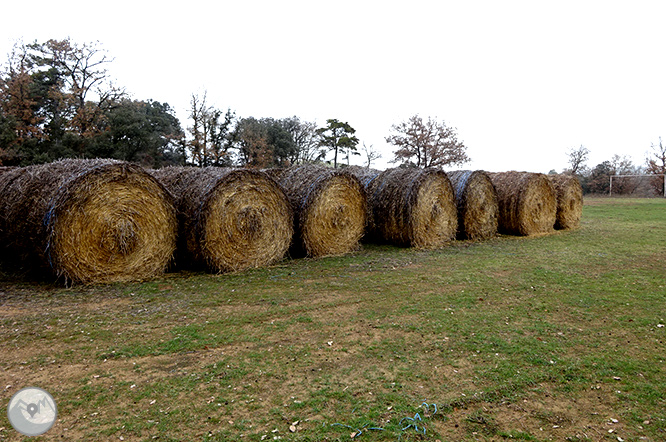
(370, 155)
(656, 164)
(577, 159)
(209, 145)
(427, 143)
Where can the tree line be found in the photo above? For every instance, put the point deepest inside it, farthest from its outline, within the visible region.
(57, 100)
(596, 180)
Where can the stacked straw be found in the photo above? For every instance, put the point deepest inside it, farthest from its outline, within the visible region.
(230, 219)
(527, 202)
(101, 221)
(569, 201)
(330, 209)
(477, 204)
(410, 207)
(89, 221)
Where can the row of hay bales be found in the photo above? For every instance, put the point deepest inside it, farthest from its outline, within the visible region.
(98, 221)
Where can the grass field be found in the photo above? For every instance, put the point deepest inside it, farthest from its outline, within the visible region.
(558, 337)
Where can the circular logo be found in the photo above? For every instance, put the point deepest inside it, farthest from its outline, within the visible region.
(32, 411)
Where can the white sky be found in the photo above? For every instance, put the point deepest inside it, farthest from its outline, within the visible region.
(522, 81)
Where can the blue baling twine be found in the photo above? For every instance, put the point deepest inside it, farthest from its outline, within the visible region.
(310, 189)
(379, 188)
(462, 183)
(410, 188)
(368, 180)
(415, 422)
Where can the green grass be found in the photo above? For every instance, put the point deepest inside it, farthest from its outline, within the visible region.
(548, 338)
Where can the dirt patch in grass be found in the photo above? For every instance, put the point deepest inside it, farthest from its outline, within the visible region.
(544, 415)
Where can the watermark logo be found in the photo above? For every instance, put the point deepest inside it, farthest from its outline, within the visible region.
(32, 411)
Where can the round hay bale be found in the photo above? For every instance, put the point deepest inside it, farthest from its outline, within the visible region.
(527, 202)
(90, 221)
(230, 219)
(274, 172)
(569, 201)
(411, 207)
(366, 176)
(330, 209)
(476, 200)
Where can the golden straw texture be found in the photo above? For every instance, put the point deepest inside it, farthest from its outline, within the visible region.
(477, 204)
(90, 221)
(330, 209)
(230, 219)
(569, 201)
(410, 207)
(527, 202)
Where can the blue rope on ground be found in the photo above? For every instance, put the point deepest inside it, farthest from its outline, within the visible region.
(416, 423)
(413, 424)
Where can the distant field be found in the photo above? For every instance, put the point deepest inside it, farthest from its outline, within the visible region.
(558, 337)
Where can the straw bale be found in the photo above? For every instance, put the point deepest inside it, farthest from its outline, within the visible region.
(330, 209)
(89, 221)
(365, 176)
(569, 201)
(230, 219)
(275, 172)
(527, 202)
(477, 204)
(410, 207)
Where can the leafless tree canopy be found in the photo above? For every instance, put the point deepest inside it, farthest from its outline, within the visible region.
(210, 128)
(370, 155)
(577, 159)
(656, 164)
(426, 143)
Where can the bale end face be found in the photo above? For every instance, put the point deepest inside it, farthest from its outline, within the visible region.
(527, 203)
(334, 219)
(537, 206)
(477, 204)
(433, 218)
(246, 222)
(411, 207)
(569, 201)
(111, 223)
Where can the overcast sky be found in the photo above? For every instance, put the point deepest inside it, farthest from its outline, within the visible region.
(522, 81)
